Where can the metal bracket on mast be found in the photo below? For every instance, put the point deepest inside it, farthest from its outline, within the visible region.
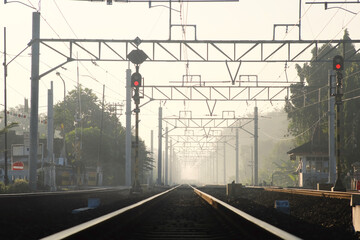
(233, 79)
(211, 111)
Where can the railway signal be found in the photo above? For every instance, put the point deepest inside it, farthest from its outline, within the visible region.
(137, 57)
(338, 66)
(136, 80)
(338, 63)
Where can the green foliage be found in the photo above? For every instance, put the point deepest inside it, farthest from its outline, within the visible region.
(277, 168)
(110, 143)
(19, 186)
(2, 187)
(307, 106)
(304, 109)
(284, 174)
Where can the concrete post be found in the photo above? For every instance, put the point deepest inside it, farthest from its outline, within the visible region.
(224, 162)
(171, 164)
(128, 130)
(152, 155)
(35, 51)
(237, 155)
(331, 119)
(50, 138)
(160, 146)
(256, 148)
(166, 155)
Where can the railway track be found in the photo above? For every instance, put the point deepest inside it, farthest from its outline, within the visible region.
(182, 212)
(310, 192)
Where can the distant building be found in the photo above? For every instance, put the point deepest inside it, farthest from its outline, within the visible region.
(313, 161)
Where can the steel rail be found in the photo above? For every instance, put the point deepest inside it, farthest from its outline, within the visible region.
(58, 193)
(81, 227)
(317, 193)
(263, 225)
(269, 229)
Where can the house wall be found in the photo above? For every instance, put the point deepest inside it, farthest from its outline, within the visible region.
(312, 170)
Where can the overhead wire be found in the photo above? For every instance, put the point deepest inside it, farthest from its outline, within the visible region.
(335, 34)
(83, 65)
(287, 33)
(329, 43)
(298, 135)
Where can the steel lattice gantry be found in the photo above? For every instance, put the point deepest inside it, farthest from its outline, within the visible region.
(202, 145)
(197, 50)
(216, 93)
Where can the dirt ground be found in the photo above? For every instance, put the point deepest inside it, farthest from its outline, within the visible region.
(310, 217)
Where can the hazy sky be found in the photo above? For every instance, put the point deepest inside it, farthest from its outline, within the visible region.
(243, 20)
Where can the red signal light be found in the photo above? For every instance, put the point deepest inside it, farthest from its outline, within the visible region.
(136, 80)
(338, 63)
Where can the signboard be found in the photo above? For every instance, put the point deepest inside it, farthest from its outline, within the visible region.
(19, 150)
(282, 206)
(18, 166)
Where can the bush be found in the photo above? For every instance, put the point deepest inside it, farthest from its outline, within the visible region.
(19, 186)
(2, 187)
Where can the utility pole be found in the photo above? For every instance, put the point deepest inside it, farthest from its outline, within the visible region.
(98, 167)
(256, 149)
(64, 121)
(171, 162)
(217, 163)
(332, 159)
(35, 51)
(128, 130)
(152, 155)
(50, 138)
(160, 147)
(338, 66)
(225, 163)
(237, 155)
(6, 177)
(166, 155)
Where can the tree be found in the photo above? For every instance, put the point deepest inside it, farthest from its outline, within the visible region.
(83, 138)
(307, 106)
(351, 110)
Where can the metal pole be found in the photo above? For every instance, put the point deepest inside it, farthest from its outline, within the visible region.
(169, 19)
(338, 101)
(224, 162)
(300, 19)
(50, 139)
(64, 120)
(160, 147)
(35, 50)
(152, 155)
(6, 177)
(128, 130)
(256, 149)
(136, 186)
(217, 163)
(166, 155)
(98, 168)
(331, 118)
(237, 155)
(252, 165)
(171, 162)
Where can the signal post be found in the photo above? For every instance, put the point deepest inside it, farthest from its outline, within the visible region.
(137, 57)
(338, 66)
